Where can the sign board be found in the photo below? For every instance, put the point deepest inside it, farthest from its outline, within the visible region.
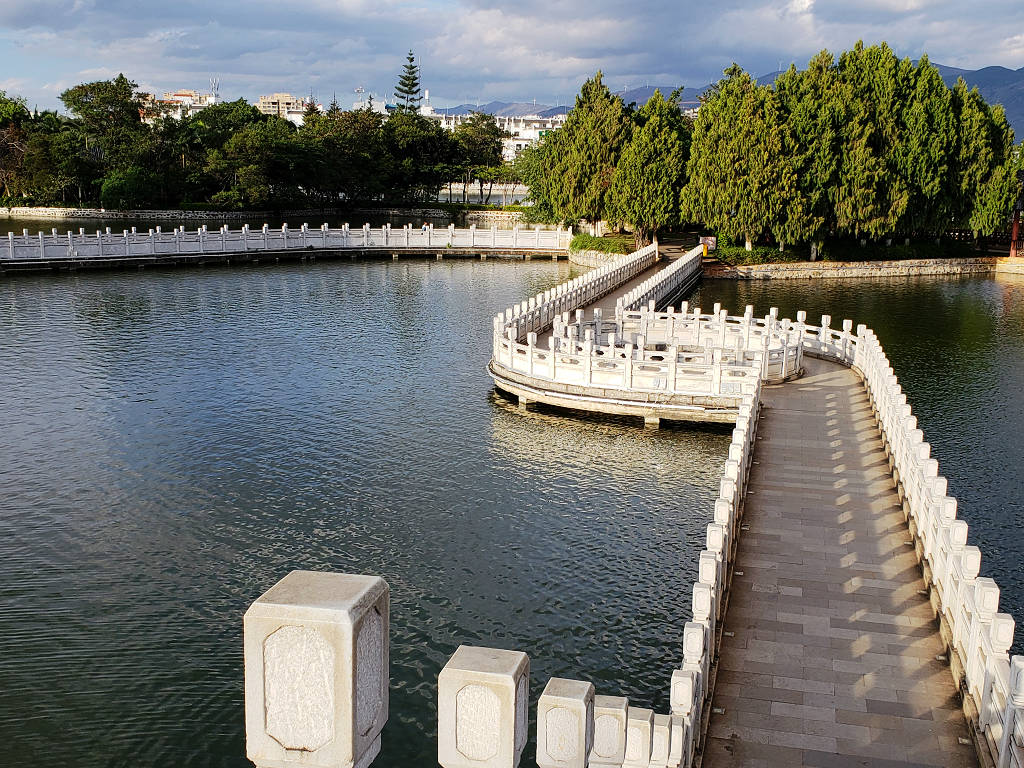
(710, 241)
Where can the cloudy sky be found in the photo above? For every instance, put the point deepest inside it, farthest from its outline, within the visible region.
(469, 50)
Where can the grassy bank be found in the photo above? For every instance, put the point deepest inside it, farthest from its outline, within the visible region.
(612, 243)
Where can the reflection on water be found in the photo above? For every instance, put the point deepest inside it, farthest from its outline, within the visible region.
(957, 345)
(172, 442)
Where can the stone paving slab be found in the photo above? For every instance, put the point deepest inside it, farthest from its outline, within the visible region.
(833, 661)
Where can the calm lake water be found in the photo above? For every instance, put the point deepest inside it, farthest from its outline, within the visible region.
(173, 442)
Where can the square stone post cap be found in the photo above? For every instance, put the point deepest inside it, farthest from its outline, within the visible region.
(483, 698)
(316, 671)
(565, 724)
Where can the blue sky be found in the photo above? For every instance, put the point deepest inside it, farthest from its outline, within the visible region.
(469, 50)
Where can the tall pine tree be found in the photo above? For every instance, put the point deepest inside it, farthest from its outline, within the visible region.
(407, 93)
(649, 178)
(737, 169)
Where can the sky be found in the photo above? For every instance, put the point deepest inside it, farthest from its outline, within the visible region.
(471, 51)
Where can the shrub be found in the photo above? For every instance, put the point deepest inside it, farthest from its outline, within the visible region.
(606, 244)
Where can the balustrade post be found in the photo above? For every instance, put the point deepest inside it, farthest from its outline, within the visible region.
(565, 724)
(639, 734)
(127, 249)
(42, 246)
(99, 243)
(610, 718)
(152, 241)
(324, 231)
(482, 708)
(316, 671)
(515, 235)
(451, 235)
(366, 235)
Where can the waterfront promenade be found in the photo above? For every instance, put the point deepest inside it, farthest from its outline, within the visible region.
(831, 654)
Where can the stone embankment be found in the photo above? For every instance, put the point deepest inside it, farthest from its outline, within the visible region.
(503, 219)
(805, 270)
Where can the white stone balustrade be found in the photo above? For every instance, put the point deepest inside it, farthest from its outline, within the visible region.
(316, 671)
(105, 244)
(979, 637)
(669, 282)
(565, 724)
(483, 697)
(537, 313)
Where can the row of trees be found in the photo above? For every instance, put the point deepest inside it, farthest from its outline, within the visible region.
(229, 155)
(869, 146)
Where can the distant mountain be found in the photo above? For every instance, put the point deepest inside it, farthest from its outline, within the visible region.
(998, 85)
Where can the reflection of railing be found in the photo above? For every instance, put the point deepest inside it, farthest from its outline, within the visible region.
(179, 241)
(537, 313)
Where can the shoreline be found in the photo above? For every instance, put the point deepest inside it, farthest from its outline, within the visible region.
(809, 270)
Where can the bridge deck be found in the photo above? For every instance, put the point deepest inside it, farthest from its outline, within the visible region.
(833, 657)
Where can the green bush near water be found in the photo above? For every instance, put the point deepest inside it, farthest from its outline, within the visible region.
(607, 244)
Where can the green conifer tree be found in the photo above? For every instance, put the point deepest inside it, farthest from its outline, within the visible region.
(737, 168)
(583, 153)
(648, 181)
(407, 93)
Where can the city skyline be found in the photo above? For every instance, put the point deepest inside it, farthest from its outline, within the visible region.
(541, 51)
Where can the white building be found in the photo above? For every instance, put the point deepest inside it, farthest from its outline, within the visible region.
(177, 104)
(523, 130)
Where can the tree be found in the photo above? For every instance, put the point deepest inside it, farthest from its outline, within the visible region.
(737, 168)
(479, 143)
(407, 92)
(647, 185)
(814, 112)
(576, 162)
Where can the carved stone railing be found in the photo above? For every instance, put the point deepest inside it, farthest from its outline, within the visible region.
(179, 241)
(977, 636)
(670, 282)
(538, 313)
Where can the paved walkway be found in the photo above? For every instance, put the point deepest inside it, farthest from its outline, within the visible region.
(833, 658)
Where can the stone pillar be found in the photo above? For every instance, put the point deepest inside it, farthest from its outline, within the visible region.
(610, 713)
(482, 708)
(639, 734)
(316, 671)
(661, 741)
(565, 724)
